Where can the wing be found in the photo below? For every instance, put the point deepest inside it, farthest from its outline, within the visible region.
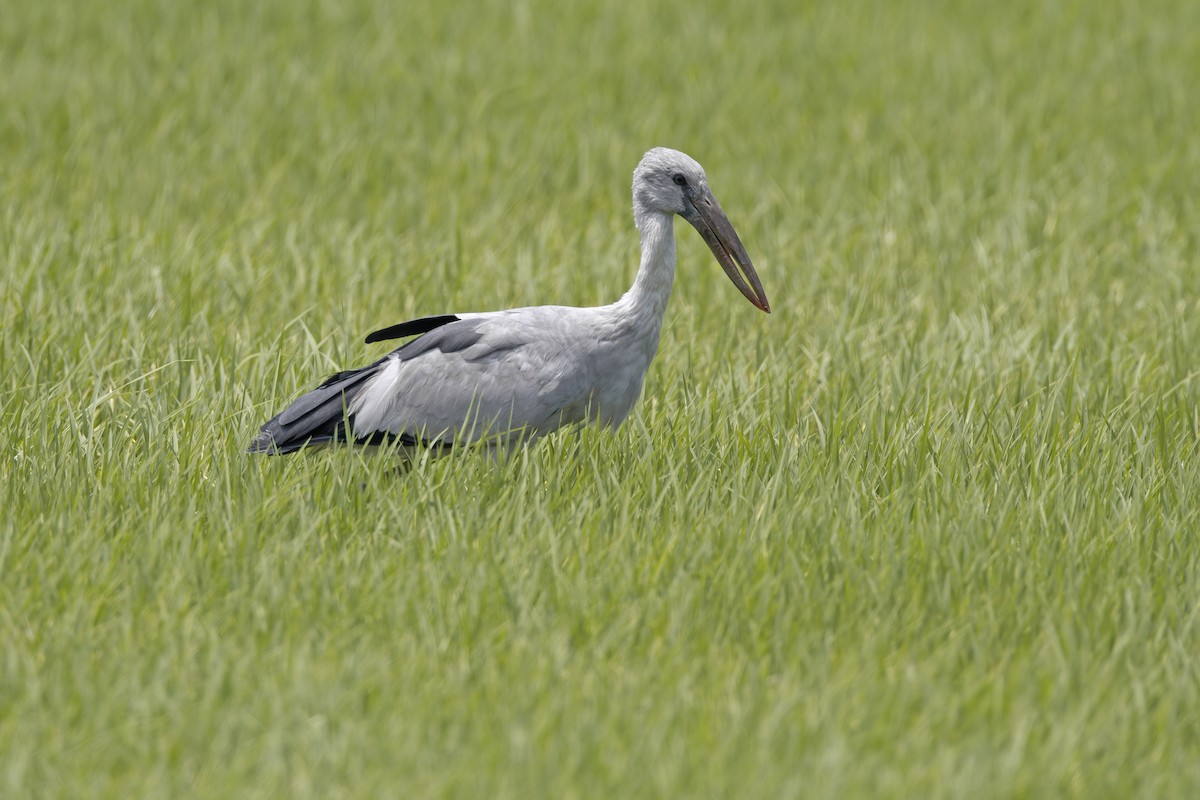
(524, 371)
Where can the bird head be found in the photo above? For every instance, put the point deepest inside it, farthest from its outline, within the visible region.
(672, 182)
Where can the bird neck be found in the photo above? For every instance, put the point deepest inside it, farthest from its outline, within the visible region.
(647, 298)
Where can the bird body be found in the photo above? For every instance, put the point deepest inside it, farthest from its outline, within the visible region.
(507, 376)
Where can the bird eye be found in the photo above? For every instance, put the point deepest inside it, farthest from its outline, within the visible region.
(679, 179)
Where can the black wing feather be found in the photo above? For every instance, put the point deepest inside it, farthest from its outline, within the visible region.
(410, 328)
(316, 416)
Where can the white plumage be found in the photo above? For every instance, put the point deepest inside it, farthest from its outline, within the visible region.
(507, 376)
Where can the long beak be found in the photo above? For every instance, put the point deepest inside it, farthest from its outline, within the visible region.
(707, 216)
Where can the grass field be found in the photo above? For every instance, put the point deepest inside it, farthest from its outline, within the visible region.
(928, 530)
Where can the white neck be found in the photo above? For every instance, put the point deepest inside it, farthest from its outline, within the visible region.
(645, 303)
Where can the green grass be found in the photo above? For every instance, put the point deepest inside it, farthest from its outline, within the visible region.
(928, 530)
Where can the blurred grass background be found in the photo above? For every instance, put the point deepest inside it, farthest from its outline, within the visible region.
(926, 530)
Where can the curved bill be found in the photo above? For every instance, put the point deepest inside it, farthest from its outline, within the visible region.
(707, 216)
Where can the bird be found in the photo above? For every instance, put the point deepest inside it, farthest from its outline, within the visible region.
(501, 378)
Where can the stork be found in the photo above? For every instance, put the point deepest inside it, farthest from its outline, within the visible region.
(502, 377)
